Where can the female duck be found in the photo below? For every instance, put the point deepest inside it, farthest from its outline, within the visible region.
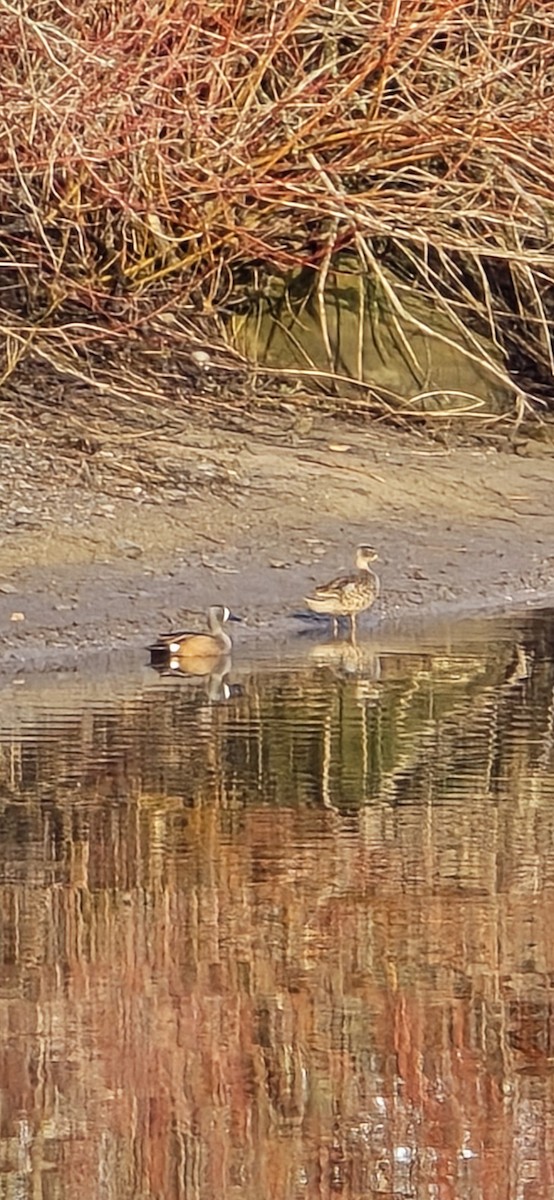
(199, 645)
(348, 595)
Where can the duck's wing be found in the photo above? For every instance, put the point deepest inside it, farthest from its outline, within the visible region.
(164, 640)
(174, 634)
(341, 585)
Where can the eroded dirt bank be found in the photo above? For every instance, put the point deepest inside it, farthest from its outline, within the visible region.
(254, 515)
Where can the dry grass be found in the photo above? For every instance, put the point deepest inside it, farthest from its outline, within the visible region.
(158, 158)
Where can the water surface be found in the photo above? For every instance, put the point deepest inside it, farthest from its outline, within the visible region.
(287, 933)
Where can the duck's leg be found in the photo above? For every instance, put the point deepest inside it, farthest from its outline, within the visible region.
(353, 628)
(335, 627)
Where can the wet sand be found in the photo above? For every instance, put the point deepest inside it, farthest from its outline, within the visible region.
(267, 509)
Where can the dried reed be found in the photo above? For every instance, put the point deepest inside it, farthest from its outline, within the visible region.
(158, 157)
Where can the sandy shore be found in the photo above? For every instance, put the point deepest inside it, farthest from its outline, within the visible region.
(255, 516)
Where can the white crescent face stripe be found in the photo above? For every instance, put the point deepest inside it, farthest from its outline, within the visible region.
(226, 614)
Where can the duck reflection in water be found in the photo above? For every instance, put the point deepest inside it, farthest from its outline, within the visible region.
(346, 658)
(215, 673)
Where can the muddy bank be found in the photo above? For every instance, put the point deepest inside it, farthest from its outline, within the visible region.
(265, 510)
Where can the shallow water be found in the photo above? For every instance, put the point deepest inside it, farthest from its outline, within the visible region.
(283, 933)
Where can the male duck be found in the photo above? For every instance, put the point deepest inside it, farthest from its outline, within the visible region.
(185, 643)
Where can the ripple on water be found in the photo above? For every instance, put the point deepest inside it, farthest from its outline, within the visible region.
(288, 937)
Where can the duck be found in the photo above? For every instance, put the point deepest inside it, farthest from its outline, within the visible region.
(184, 643)
(348, 595)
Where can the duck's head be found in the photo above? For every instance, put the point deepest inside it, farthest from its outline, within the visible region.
(219, 614)
(364, 556)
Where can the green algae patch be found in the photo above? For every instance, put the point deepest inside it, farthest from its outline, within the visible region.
(356, 336)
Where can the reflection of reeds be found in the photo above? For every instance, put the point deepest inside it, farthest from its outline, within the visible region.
(361, 719)
(273, 941)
